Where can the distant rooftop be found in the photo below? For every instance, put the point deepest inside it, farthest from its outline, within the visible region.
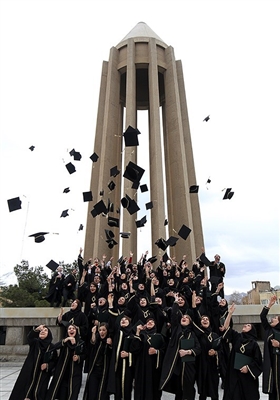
(142, 30)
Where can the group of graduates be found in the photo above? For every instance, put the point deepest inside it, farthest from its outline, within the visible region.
(144, 329)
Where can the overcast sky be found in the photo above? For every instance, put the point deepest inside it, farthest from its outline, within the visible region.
(51, 59)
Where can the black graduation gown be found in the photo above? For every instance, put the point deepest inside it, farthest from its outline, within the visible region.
(98, 362)
(240, 386)
(121, 370)
(271, 360)
(147, 367)
(67, 378)
(178, 376)
(207, 366)
(54, 295)
(32, 383)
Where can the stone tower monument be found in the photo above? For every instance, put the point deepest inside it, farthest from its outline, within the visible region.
(143, 74)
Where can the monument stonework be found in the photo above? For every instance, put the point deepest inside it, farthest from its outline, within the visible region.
(143, 74)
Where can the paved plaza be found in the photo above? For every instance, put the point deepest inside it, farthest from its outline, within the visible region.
(10, 370)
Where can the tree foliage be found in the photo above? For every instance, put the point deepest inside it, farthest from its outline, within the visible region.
(236, 298)
(32, 286)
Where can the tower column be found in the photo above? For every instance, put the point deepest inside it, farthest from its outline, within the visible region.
(156, 169)
(130, 153)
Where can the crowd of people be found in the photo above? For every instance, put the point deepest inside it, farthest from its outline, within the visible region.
(144, 328)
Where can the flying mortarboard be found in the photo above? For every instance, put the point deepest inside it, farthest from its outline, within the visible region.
(149, 205)
(165, 257)
(14, 204)
(207, 118)
(77, 156)
(94, 157)
(125, 235)
(208, 180)
(165, 222)
(101, 193)
(114, 171)
(100, 207)
(111, 185)
(161, 243)
(144, 188)
(204, 260)
(113, 222)
(141, 222)
(66, 190)
(133, 172)
(31, 148)
(194, 189)
(228, 194)
(81, 227)
(125, 201)
(132, 207)
(39, 237)
(131, 136)
(87, 196)
(52, 265)
(64, 214)
(110, 206)
(184, 232)
(70, 168)
(72, 152)
(109, 234)
(171, 241)
(111, 243)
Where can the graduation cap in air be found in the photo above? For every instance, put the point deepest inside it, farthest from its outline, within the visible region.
(131, 136)
(141, 222)
(64, 214)
(94, 157)
(77, 156)
(113, 222)
(109, 234)
(184, 232)
(70, 168)
(52, 265)
(194, 189)
(66, 190)
(72, 152)
(31, 148)
(172, 241)
(111, 243)
(101, 193)
(133, 173)
(81, 227)
(165, 257)
(161, 244)
(114, 171)
(87, 196)
(228, 194)
(39, 237)
(130, 204)
(152, 259)
(149, 205)
(144, 188)
(111, 185)
(110, 206)
(125, 235)
(208, 180)
(207, 118)
(99, 208)
(165, 222)
(14, 204)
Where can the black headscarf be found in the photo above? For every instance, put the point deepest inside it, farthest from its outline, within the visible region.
(251, 335)
(44, 343)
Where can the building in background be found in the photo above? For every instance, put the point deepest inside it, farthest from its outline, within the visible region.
(143, 74)
(260, 293)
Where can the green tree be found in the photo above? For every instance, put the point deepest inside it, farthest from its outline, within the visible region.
(33, 285)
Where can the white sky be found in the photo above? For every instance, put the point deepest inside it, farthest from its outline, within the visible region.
(51, 59)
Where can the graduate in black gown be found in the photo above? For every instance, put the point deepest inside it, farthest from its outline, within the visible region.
(74, 316)
(208, 360)
(67, 378)
(148, 347)
(100, 349)
(179, 364)
(271, 355)
(242, 380)
(34, 377)
(122, 365)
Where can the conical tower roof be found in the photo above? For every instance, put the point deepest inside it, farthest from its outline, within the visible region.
(142, 30)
